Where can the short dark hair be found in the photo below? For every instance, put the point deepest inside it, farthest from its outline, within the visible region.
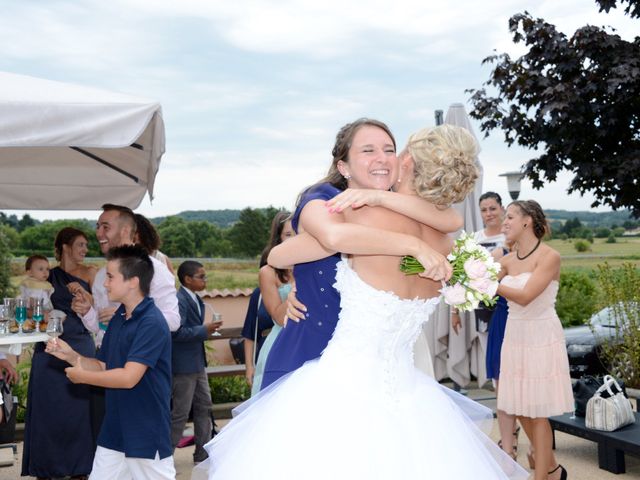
(126, 215)
(493, 195)
(188, 268)
(133, 261)
(33, 258)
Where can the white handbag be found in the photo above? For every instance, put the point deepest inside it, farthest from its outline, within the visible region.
(609, 413)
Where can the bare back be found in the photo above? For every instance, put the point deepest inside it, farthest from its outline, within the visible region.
(382, 271)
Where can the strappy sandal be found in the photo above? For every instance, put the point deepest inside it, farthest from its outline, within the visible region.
(513, 454)
(516, 434)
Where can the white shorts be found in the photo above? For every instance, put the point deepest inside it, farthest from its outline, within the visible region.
(113, 465)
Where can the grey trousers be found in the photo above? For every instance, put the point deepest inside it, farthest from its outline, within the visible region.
(188, 389)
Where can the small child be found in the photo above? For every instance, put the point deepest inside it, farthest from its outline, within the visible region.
(134, 365)
(35, 284)
(190, 384)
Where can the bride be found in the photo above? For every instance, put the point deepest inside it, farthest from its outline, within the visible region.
(362, 410)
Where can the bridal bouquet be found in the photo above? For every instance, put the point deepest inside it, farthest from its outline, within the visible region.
(475, 275)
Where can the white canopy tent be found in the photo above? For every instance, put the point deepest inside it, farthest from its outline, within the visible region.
(68, 147)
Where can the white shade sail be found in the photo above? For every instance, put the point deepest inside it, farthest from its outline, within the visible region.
(68, 147)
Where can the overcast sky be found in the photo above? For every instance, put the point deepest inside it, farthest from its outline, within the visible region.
(253, 92)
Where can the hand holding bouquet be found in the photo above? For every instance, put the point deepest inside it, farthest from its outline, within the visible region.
(475, 274)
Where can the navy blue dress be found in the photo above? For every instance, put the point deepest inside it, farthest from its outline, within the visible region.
(301, 341)
(496, 335)
(58, 438)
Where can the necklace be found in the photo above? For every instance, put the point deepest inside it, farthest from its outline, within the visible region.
(528, 254)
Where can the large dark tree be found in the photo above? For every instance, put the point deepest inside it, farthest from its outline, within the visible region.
(575, 101)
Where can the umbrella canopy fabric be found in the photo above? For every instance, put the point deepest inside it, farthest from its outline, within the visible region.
(68, 147)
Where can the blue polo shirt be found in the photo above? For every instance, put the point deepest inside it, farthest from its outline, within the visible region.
(137, 420)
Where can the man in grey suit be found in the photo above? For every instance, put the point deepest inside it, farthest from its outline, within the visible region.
(188, 362)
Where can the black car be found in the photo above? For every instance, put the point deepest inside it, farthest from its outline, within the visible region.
(584, 343)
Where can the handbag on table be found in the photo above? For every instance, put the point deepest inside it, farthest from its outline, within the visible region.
(585, 387)
(609, 413)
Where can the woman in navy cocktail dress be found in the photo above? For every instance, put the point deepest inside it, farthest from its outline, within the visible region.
(58, 440)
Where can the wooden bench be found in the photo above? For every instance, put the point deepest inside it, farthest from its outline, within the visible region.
(611, 445)
(225, 370)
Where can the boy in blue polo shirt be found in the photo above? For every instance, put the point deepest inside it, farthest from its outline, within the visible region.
(134, 365)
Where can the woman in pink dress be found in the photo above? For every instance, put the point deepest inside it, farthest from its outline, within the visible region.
(534, 371)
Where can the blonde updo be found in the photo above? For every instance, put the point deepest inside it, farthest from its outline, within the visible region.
(445, 165)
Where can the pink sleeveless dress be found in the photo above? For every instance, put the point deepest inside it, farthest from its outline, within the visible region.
(534, 367)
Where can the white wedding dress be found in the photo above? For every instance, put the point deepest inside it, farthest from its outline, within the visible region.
(362, 410)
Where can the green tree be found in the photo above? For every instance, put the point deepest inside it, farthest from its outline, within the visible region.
(249, 234)
(572, 227)
(25, 222)
(177, 239)
(203, 232)
(6, 289)
(618, 231)
(602, 232)
(575, 101)
(12, 237)
(40, 238)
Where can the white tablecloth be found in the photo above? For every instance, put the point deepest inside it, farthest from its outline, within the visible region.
(13, 342)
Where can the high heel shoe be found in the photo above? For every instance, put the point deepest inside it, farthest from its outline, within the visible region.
(532, 460)
(516, 434)
(513, 454)
(563, 472)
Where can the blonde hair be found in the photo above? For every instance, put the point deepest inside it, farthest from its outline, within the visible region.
(445, 165)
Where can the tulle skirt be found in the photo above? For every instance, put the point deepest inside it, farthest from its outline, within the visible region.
(339, 419)
(534, 368)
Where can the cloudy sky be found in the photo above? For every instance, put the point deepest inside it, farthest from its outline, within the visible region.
(253, 91)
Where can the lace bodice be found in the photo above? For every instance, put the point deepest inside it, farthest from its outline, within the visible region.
(376, 326)
(541, 306)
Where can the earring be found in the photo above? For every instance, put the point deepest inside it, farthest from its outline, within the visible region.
(347, 176)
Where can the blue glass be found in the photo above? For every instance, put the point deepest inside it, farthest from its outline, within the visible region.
(21, 313)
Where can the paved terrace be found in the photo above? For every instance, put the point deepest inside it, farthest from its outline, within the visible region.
(580, 457)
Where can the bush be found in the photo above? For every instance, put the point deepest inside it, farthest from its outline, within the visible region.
(229, 389)
(621, 290)
(611, 238)
(19, 389)
(564, 236)
(582, 245)
(618, 231)
(577, 298)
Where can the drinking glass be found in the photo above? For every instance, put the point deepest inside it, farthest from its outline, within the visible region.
(216, 318)
(54, 327)
(21, 312)
(8, 314)
(3, 321)
(38, 312)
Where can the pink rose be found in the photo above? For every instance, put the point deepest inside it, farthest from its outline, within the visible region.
(475, 268)
(454, 295)
(484, 286)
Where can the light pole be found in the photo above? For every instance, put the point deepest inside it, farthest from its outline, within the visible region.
(513, 183)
